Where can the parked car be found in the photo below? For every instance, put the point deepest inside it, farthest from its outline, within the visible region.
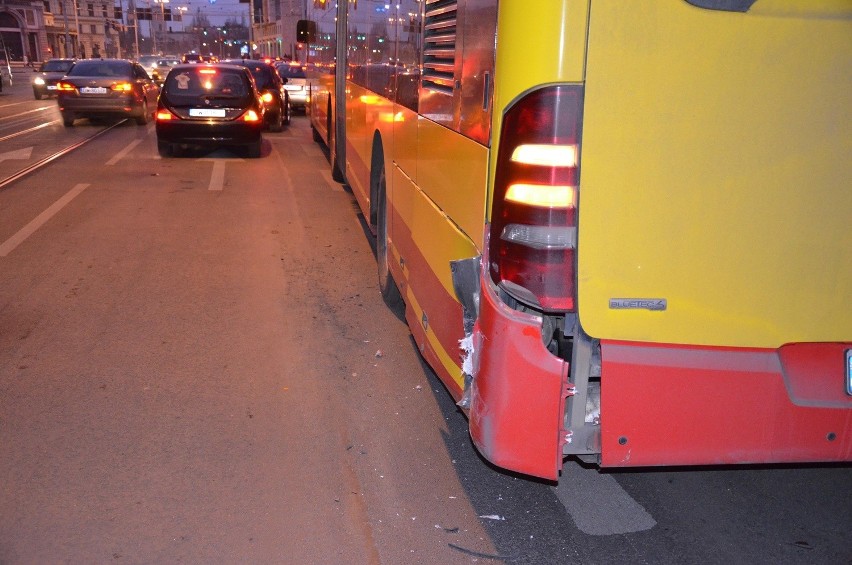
(271, 87)
(162, 68)
(106, 88)
(209, 105)
(48, 75)
(295, 83)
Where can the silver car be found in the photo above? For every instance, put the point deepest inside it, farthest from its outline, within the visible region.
(295, 83)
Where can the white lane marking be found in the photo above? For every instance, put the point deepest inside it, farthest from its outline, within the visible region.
(24, 153)
(597, 503)
(334, 185)
(121, 154)
(217, 179)
(10, 244)
(28, 130)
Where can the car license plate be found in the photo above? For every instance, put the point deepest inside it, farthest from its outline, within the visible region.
(93, 90)
(51, 87)
(849, 371)
(207, 112)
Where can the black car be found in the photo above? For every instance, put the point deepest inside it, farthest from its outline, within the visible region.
(271, 86)
(48, 75)
(106, 88)
(209, 105)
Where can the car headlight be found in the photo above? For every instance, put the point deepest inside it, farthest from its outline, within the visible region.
(39, 81)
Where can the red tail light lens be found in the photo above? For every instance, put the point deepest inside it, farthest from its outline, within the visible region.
(534, 215)
(122, 87)
(65, 86)
(251, 116)
(164, 115)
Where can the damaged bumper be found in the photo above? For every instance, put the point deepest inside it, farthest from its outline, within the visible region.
(516, 398)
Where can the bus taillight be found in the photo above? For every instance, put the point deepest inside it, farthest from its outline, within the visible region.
(534, 215)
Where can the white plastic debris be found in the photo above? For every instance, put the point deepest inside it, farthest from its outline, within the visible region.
(466, 345)
(493, 517)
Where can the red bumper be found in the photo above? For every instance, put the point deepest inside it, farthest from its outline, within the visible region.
(517, 396)
(675, 405)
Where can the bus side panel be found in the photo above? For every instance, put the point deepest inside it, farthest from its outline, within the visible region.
(425, 242)
(321, 85)
(452, 170)
(358, 139)
(678, 405)
(405, 141)
(715, 174)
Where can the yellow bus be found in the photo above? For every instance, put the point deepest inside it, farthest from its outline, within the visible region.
(620, 230)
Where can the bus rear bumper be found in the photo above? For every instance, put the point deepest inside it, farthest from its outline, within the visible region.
(518, 394)
(677, 405)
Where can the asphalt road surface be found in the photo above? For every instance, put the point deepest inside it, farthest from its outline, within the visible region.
(196, 367)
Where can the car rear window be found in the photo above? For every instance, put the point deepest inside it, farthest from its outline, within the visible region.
(206, 81)
(98, 68)
(263, 78)
(56, 66)
(291, 71)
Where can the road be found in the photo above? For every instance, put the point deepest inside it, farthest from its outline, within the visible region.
(196, 366)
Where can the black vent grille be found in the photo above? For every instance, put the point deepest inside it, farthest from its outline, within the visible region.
(439, 53)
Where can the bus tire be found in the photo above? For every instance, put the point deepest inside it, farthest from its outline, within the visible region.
(336, 173)
(387, 286)
(316, 135)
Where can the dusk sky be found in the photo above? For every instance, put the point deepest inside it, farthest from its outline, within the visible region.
(217, 12)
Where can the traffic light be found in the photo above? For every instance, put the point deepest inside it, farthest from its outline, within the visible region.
(306, 31)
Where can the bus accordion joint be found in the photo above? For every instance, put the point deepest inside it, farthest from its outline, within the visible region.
(534, 216)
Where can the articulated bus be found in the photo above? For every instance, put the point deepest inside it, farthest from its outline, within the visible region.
(620, 230)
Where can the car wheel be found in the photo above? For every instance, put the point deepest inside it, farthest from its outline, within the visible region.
(288, 113)
(142, 119)
(278, 124)
(165, 149)
(38, 96)
(68, 119)
(253, 149)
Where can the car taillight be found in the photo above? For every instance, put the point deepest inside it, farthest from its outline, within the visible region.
(65, 86)
(534, 214)
(163, 115)
(251, 116)
(266, 97)
(122, 87)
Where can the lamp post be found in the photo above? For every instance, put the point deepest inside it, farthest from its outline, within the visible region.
(162, 4)
(65, 18)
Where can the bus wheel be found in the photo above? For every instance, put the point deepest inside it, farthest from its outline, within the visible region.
(387, 286)
(336, 173)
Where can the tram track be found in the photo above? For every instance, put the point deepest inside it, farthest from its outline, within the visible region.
(33, 167)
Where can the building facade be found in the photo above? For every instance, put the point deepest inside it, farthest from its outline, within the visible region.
(36, 30)
(274, 27)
